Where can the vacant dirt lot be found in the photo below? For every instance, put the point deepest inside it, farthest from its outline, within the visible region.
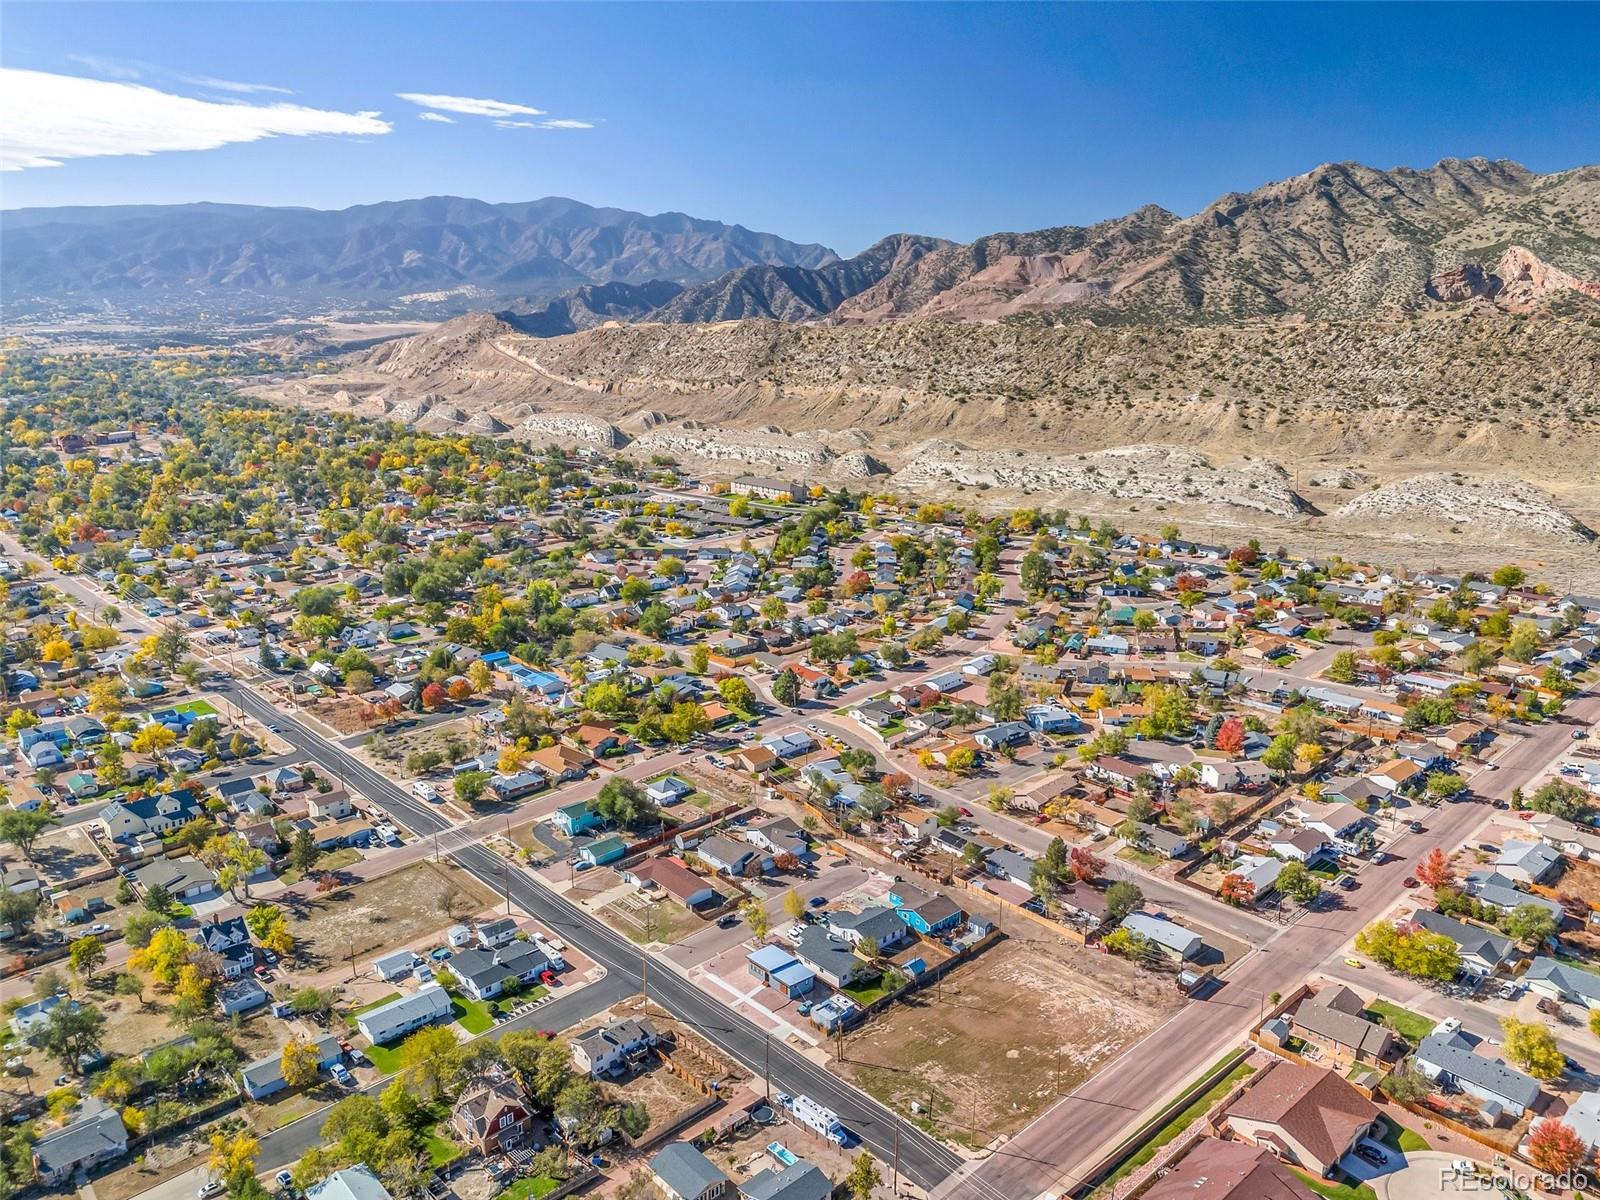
(646, 921)
(382, 914)
(1004, 1035)
(1581, 879)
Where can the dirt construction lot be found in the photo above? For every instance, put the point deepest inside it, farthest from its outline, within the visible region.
(1004, 1035)
(382, 914)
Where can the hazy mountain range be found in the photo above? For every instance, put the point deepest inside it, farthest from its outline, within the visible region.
(1340, 241)
(137, 254)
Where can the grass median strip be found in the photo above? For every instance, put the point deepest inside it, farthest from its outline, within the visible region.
(1187, 1116)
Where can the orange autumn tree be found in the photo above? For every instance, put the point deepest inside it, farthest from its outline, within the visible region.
(1555, 1147)
(1434, 869)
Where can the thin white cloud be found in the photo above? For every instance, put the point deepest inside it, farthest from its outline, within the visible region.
(433, 116)
(230, 85)
(468, 106)
(52, 118)
(553, 124)
(111, 68)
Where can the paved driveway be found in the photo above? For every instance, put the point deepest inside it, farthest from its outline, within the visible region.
(1420, 1175)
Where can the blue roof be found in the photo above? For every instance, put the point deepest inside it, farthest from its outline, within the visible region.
(770, 958)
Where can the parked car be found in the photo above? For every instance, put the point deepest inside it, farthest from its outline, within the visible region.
(1410, 881)
(728, 920)
(1369, 1152)
(341, 1074)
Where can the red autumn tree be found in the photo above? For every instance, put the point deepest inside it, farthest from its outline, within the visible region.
(1237, 890)
(896, 785)
(1434, 869)
(433, 696)
(1085, 864)
(1555, 1147)
(1230, 736)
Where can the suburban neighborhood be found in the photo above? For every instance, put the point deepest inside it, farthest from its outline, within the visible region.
(390, 814)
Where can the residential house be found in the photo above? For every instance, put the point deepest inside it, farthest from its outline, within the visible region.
(496, 933)
(603, 850)
(1219, 1170)
(427, 1004)
(395, 965)
(795, 1180)
(332, 805)
(880, 924)
(561, 763)
(1559, 981)
(1495, 889)
(1169, 937)
(1450, 1060)
(1526, 862)
(1162, 841)
(229, 940)
(183, 879)
(1305, 1115)
(492, 1115)
(1483, 952)
(780, 835)
(95, 1134)
(931, 914)
(485, 974)
(669, 791)
(573, 819)
(780, 970)
(683, 1173)
(1333, 1019)
(672, 876)
(161, 813)
(608, 1047)
(834, 960)
(264, 1077)
(726, 856)
(241, 996)
(352, 1183)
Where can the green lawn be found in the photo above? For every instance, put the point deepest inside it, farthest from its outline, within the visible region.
(441, 1150)
(1336, 1191)
(385, 1058)
(1398, 1137)
(530, 1188)
(200, 708)
(1196, 1109)
(471, 1015)
(1409, 1025)
(866, 993)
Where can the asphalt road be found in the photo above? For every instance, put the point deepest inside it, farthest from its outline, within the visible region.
(1053, 1154)
(920, 1157)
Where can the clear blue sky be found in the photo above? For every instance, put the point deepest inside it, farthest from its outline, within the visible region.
(828, 122)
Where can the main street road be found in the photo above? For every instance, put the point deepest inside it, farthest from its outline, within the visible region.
(1055, 1152)
(920, 1157)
